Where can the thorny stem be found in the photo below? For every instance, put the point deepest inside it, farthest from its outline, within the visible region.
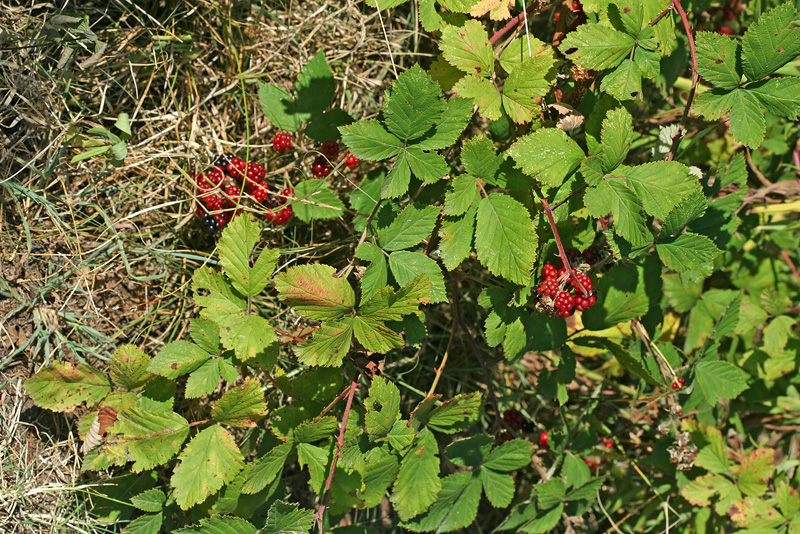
(512, 23)
(339, 443)
(676, 4)
(561, 252)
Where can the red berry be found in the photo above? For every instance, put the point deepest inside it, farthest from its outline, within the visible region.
(550, 286)
(514, 418)
(234, 193)
(549, 271)
(565, 301)
(681, 381)
(215, 175)
(544, 439)
(585, 281)
(608, 443)
(282, 142)
(320, 168)
(591, 464)
(351, 161)
(576, 6)
(675, 385)
(727, 15)
(287, 193)
(284, 215)
(221, 219)
(724, 30)
(330, 149)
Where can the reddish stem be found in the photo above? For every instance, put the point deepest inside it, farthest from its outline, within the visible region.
(791, 265)
(339, 444)
(512, 23)
(561, 252)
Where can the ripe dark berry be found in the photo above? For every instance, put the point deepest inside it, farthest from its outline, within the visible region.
(223, 160)
(282, 142)
(210, 224)
(573, 254)
(221, 219)
(514, 418)
(504, 437)
(351, 161)
(549, 271)
(320, 168)
(544, 439)
(330, 149)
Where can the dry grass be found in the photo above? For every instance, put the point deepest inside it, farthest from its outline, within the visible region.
(92, 255)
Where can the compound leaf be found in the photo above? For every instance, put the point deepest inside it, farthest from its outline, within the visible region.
(597, 47)
(661, 185)
(505, 238)
(148, 438)
(479, 159)
(718, 59)
(427, 166)
(549, 154)
(624, 82)
(241, 406)
(483, 92)
(456, 235)
(408, 228)
(368, 140)
(526, 84)
(375, 336)
(467, 47)
(457, 113)
(686, 252)
(178, 358)
(413, 105)
(208, 462)
(313, 290)
(246, 335)
(720, 380)
(129, 367)
(406, 266)
(628, 219)
(771, 42)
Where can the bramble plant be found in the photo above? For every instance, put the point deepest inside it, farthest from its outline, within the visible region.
(523, 182)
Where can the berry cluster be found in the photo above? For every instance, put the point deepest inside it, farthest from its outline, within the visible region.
(221, 190)
(330, 152)
(561, 295)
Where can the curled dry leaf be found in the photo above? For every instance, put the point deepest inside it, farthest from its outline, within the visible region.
(106, 417)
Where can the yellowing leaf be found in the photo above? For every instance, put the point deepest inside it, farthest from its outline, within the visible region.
(497, 9)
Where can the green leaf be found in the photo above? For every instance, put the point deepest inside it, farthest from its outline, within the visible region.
(370, 141)
(388, 305)
(242, 406)
(621, 296)
(550, 493)
(316, 200)
(329, 345)
(178, 358)
(631, 361)
(205, 334)
(119, 151)
(377, 474)
(511, 455)
(597, 47)
(278, 106)
(427, 166)
(208, 462)
(313, 290)
(788, 500)
(401, 435)
(526, 84)
(325, 127)
(203, 380)
(266, 468)
(151, 500)
(383, 408)
(720, 380)
(430, 18)
(624, 204)
(483, 92)
(467, 47)
(316, 458)
(375, 336)
(456, 506)
(457, 113)
(246, 335)
(617, 136)
(661, 185)
(220, 525)
(686, 252)
(219, 298)
(748, 124)
(129, 367)
(548, 154)
(777, 332)
(700, 490)
(755, 471)
(145, 524)
(628, 13)
(148, 438)
(499, 487)
(316, 429)
(396, 182)
(408, 228)
(284, 518)
(544, 521)
(64, 386)
(780, 96)
(480, 159)
(92, 152)
(462, 194)
(314, 88)
(448, 417)
(406, 266)
(718, 59)
(714, 104)
(624, 82)
(455, 236)
(505, 238)
(414, 104)
(771, 42)
(517, 51)
(585, 491)
(376, 275)
(236, 245)
(470, 452)
(418, 482)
